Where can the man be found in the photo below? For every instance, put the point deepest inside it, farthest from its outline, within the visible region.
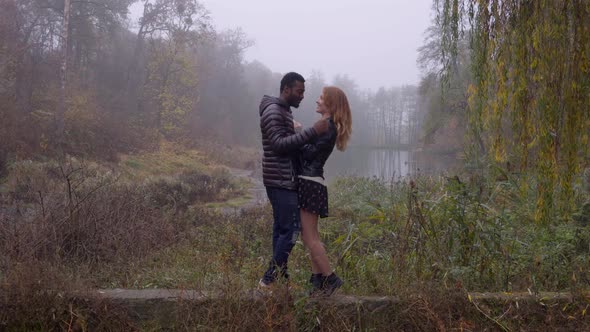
(280, 144)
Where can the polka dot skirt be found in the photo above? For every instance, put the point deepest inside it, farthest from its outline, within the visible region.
(313, 197)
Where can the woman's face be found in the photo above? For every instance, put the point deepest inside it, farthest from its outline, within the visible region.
(322, 109)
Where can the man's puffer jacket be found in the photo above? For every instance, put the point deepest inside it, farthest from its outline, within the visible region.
(280, 143)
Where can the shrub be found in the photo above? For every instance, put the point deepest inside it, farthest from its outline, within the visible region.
(37, 296)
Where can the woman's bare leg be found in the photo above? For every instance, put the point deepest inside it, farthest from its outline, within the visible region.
(311, 239)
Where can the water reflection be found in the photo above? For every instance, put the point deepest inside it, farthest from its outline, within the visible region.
(385, 163)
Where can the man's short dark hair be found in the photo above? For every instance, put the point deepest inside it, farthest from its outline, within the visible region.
(289, 80)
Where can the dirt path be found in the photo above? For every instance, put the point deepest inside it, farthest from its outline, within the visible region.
(256, 193)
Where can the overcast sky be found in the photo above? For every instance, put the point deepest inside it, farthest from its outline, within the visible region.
(373, 41)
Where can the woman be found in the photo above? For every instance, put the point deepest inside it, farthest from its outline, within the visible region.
(312, 191)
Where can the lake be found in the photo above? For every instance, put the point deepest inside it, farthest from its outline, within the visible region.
(386, 163)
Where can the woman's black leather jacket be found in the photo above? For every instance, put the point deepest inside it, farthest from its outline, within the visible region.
(313, 156)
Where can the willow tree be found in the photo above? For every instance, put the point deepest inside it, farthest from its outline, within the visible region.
(530, 97)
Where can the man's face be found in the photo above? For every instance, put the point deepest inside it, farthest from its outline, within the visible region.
(294, 94)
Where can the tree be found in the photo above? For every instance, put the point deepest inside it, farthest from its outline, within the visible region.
(64, 71)
(443, 93)
(313, 89)
(173, 27)
(531, 93)
(229, 100)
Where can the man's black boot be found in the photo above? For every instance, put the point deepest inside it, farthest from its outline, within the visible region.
(316, 281)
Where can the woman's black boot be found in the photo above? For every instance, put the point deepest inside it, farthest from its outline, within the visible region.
(331, 284)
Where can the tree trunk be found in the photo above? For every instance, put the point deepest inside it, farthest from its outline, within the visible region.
(64, 72)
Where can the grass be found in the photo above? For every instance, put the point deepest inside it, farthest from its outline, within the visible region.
(231, 203)
(382, 245)
(166, 165)
(166, 161)
(151, 222)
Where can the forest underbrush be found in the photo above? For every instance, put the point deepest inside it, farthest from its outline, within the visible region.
(428, 240)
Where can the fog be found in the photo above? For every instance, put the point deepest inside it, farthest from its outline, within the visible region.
(194, 71)
(375, 42)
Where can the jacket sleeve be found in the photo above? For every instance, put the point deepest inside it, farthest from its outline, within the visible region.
(309, 151)
(323, 143)
(281, 141)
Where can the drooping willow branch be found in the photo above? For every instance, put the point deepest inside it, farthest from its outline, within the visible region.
(530, 95)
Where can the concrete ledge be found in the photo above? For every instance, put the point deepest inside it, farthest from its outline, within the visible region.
(192, 295)
(167, 306)
(524, 296)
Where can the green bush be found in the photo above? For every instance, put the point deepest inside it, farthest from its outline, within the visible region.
(440, 229)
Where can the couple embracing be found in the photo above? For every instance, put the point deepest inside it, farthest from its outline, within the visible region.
(293, 174)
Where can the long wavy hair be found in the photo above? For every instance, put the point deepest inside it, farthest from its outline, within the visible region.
(337, 103)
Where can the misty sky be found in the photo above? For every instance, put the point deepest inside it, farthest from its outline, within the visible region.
(373, 41)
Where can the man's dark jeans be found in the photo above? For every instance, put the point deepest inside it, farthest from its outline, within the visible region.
(285, 230)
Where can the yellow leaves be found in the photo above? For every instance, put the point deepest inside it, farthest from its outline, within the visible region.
(500, 155)
(174, 110)
(502, 98)
(534, 64)
(531, 93)
(536, 38)
(533, 143)
(499, 150)
(472, 89)
(472, 93)
(81, 108)
(539, 215)
(173, 82)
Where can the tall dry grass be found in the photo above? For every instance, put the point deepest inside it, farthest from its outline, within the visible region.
(75, 225)
(65, 225)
